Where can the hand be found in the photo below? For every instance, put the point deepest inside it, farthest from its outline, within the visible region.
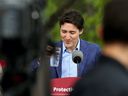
(50, 50)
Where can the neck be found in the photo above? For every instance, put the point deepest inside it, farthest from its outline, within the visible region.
(118, 52)
(71, 49)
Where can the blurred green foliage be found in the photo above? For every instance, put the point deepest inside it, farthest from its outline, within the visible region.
(90, 9)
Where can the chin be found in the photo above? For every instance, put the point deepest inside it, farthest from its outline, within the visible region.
(68, 45)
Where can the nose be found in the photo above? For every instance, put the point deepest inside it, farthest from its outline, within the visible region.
(67, 36)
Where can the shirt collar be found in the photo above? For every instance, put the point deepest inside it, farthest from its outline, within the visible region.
(77, 47)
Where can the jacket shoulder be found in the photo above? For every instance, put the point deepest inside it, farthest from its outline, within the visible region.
(87, 44)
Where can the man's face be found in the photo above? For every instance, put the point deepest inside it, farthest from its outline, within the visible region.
(69, 34)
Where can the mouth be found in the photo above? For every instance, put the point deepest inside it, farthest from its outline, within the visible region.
(67, 42)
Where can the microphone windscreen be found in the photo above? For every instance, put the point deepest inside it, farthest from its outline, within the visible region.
(77, 56)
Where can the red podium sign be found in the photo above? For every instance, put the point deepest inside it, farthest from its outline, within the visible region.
(62, 86)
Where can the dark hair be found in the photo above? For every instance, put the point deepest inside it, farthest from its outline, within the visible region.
(115, 21)
(74, 17)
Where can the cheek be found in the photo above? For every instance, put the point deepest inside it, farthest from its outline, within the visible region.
(61, 35)
(75, 37)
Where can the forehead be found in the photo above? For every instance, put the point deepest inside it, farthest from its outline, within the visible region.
(68, 26)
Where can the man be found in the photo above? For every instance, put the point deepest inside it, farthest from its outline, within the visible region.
(71, 27)
(110, 76)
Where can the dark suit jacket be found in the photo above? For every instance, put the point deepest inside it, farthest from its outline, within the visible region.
(90, 51)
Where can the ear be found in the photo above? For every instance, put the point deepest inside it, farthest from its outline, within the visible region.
(81, 32)
(100, 32)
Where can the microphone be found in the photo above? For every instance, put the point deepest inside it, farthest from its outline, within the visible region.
(77, 56)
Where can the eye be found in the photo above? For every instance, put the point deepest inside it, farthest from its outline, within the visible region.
(63, 31)
(72, 32)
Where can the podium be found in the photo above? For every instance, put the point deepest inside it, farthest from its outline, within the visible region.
(62, 86)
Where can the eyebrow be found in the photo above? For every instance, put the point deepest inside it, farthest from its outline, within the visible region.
(66, 30)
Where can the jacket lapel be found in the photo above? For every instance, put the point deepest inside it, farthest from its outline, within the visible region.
(82, 64)
(58, 69)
